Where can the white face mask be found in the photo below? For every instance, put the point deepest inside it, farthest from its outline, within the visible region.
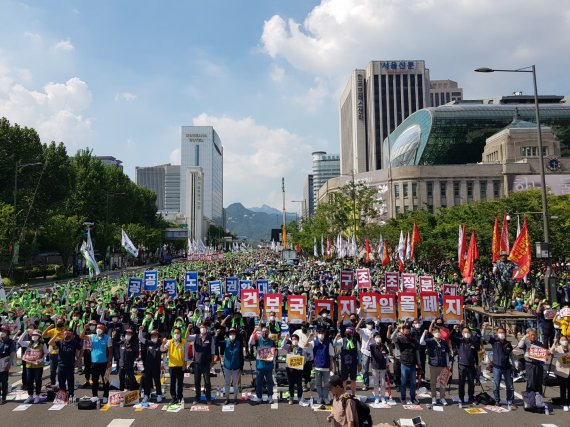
(232, 337)
(75, 319)
(437, 335)
(203, 331)
(148, 316)
(99, 332)
(564, 343)
(128, 337)
(466, 335)
(154, 340)
(369, 327)
(295, 343)
(271, 318)
(115, 319)
(321, 336)
(501, 336)
(177, 337)
(35, 338)
(378, 340)
(325, 315)
(92, 327)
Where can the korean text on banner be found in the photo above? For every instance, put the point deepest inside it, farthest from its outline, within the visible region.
(387, 308)
(262, 286)
(452, 309)
(273, 303)
(169, 286)
(346, 306)
(135, 286)
(407, 307)
(426, 284)
(429, 306)
(245, 284)
(250, 303)
(150, 281)
(363, 278)
(295, 362)
(408, 282)
(216, 288)
(191, 281)
(537, 353)
(232, 286)
(391, 280)
(297, 309)
(326, 304)
(369, 305)
(346, 280)
(450, 290)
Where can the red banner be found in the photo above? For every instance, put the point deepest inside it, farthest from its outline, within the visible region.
(321, 304)
(250, 303)
(369, 305)
(363, 278)
(297, 309)
(407, 306)
(452, 309)
(387, 308)
(391, 280)
(450, 290)
(346, 280)
(408, 282)
(429, 306)
(346, 305)
(273, 303)
(426, 284)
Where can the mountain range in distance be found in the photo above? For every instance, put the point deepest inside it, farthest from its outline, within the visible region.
(255, 224)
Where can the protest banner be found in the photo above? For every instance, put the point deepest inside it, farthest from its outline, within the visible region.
(191, 281)
(408, 282)
(327, 304)
(297, 310)
(407, 307)
(450, 290)
(391, 280)
(245, 284)
(426, 284)
(135, 287)
(429, 306)
(232, 286)
(131, 397)
(250, 303)
(346, 280)
(536, 352)
(452, 309)
(346, 306)
(267, 354)
(216, 288)
(262, 286)
(169, 287)
(369, 306)
(273, 303)
(295, 362)
(387, 308)
(150, 281)
(363, 278)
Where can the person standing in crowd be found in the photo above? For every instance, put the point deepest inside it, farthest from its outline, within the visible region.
(128, 354)
(175, 349)
(343, 412)
(232, 365)
(534, 368)
(86, 352)
(7, 360)
(294, 376)
(33, 358)
(438, 356)
(467, 347)
(546, 324)
(365, 340)
(379, 360)
(101, 359)
(409, 360)
(152, 363)
(69, 349)
(204, 347)
(323, 361)
(58, 332)
(562, 370)
(502, 367)
(349, 348)
(264, 364)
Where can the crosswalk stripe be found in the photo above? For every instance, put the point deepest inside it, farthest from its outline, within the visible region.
(121, 422)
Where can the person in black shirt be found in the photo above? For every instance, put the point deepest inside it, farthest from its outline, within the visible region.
(409, 361)
(69, 349)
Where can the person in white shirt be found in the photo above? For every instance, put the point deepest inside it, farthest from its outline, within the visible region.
(366, 335)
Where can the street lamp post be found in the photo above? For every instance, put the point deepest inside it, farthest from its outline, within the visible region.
(532, 69)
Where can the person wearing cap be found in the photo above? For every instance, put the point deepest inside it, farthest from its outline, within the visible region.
(349, 348)
(33, 358)
(69, 348)
(101, 359)
(323, 361)
(204, 347)
(344, 413)
(49, 333)
(152, 362)
(232, 364)
(365, 339)
(7, 359)
(128, 353)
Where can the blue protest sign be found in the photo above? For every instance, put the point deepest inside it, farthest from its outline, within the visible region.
(216, 288)
(232, 286)
(245, 284)
(263, 286)
(169, 287)
(150, 280)
(135, 286)
(191, 281)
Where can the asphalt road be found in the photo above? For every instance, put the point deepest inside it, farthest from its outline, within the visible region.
(263, 414)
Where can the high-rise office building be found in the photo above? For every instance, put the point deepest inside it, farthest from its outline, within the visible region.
(172, 188)
(164, 181)
(194, 200)
(444, 91)
(201, 146)
(392, 90)
(308, 197)
(325, 167)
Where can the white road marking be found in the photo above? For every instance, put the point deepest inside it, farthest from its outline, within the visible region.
(121, 422)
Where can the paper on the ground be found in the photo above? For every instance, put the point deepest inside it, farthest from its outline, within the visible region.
(228, 408)
(413, 407)
(380, 405)
(57, 407)
(437, 408)
(22, 407)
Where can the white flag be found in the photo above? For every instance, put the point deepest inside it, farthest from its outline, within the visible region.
(408, 247)
(381, 249)
(315, 253)
(402, 247)
(128, 245)
(89, 255)
(322, 248)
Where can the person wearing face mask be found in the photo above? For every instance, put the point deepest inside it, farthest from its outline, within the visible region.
(366, 335)
(467, 346)
(115, 330)
(232, 365)
(175, 347)
(265, 362)
(303, 334)
(101, 359)
(409, 361)
(86, 353)
(7, 359)
(128, 353)
(561, 353)
(152, 361)
(349, 348)
(58, 333)
(438, 355)
(534, 368)
(274, 327)
(294, 376)
(545, 324)
(33, 358)
(204, 346)
(417, 331)
(379, 360)
(69, 348)
(323, 361)
(502, 367)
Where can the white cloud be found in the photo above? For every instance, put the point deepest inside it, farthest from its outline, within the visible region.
(56, 111)
(314, 97)
(255, 159)
(453, 36)
(277, 73)
(34, 37)
(125, 96)
(63, 46)
(175, 156)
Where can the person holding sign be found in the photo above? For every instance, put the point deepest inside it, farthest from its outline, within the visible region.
(264, 363)
(33, 358)
(7, 359)
(295, 362)
(535, 357)
(561, 353)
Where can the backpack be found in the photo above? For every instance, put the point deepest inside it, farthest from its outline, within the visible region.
(362, 410)
(85, 404)
(534, 402)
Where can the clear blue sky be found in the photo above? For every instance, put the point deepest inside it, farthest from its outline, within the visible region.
(121, 77)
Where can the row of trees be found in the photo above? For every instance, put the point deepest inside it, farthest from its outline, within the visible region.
(439, 230)
(57, 192)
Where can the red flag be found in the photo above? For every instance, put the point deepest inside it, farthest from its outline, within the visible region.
(461, 247)
(367, 246)
(520, 254)
(298, 248)
(505, 235)
(475, 249)
(386, 259)
(416, 238)
(467, 272)
(496, 245)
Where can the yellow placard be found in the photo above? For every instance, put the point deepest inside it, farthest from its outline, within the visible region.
(131, 397)
(295, 362)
